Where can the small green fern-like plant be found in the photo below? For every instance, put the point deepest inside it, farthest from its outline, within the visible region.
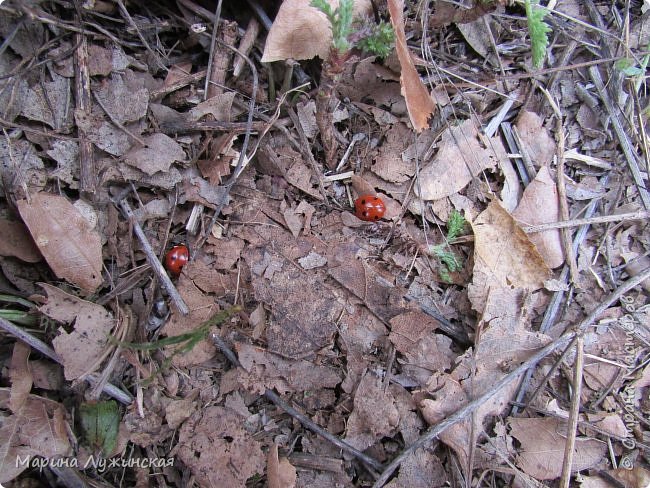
(538, 30)
(449, 262)
(377, 39)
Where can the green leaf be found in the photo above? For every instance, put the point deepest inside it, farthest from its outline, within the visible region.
(628, 67)
(100, 423)
(538, 31)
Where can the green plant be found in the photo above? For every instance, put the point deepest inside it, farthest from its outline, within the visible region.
(376, 39)
(449, 263)
(184, 342)
(18, 316)
(538, 30)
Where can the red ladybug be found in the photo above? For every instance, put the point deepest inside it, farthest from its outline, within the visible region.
(369, 208)
(176, 258)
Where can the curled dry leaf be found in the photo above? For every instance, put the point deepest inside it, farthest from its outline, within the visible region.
(301, 31)
(81, 349)
(462, 155)
(38, 428)
(540, 205)
(419, 103)
(279, 471)
(17, 242)
(71, 248)
(504, 257)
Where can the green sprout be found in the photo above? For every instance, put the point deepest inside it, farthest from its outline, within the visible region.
(449, 263)
(377, 40)
(538, 30)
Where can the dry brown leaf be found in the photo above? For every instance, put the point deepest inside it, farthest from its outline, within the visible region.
(419, 103)
(102, 133)
(505, 315)
(421, 469)
(462, 155)
(38, 428)
(158, 155)
(218, 451)
(81, 348)
(71, 248)
(504, 257)
(413, 334)
(374, 415)
(540, 205)
(202, 307)
(123, 97)
(542, 447)
(20, 375)
(535, 138)
(266, 370)
(637, 477)
(279, 471)
(301, 31)
(17, 242)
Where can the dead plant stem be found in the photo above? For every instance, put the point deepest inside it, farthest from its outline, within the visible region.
(572, 426)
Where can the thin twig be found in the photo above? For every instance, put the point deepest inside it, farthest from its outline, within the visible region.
(152, 258)
(303, 419)
(623, 138)
(572, 426)
(87, 171)
(462, 413)
(639, 215)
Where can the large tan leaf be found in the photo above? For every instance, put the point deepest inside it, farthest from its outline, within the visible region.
(71, 248)
(540, 205)
(462, 155)
(36, 429)
(504, 257)
(301, 31)
(542, 447)
(419, 103)
(82, 349)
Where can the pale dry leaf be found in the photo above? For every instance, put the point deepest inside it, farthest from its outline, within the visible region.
(504, 257)
(71, 248)
(158, 154)
(462, 155)
(535, 138)
(16, 241)
(419, 103)
(219, 106)
(49, 103)
(121, 99)
(267, 370)
(20, 375)
(374, 415)
(279, 471)
(542, 447)
(421, 469)
(506, 315)
(202, 307)
(88, 341)
(218, 451)
(37, 429)
(66, 154)
(301, 31)
(477, 34)
(540, 205)
(102, 133)
(20, 166)
(413, 335)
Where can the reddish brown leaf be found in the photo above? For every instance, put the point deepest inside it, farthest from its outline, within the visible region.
(70, 246)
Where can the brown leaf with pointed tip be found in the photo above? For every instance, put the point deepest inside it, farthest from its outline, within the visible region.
(71, 248)
(419, 103)
(279, 471)
(301, 31)
(504, 257)
(17, 242)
